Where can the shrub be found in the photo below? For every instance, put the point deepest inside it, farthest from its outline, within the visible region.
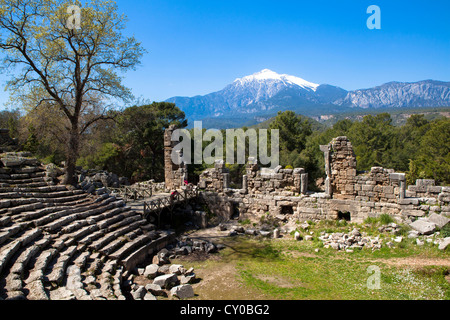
(386, 219)
(445, 231)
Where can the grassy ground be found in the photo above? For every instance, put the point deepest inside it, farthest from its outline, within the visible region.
(285, 269)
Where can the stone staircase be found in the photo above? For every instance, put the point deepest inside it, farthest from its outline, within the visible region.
(59, 243)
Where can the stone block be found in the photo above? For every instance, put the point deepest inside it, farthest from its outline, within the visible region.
(413, 213)
(439, 220)
(423, 227)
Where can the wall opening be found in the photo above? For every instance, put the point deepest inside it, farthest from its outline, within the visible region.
(344, 216)
(287, 210)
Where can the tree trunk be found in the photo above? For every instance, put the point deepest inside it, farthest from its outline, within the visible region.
(72, 154)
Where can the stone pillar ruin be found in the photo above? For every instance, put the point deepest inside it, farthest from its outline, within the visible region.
(326, 150)
(174, 174)
(340, 167)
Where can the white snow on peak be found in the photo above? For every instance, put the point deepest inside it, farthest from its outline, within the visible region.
(267, 74)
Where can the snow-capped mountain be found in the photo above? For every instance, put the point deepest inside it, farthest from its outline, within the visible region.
(263, 94)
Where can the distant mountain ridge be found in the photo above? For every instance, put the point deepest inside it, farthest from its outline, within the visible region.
(257, 97)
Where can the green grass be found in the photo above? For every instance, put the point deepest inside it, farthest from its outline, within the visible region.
(286, 269)
(331, 275)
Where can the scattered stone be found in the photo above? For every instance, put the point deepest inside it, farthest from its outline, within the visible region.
(438, 220)
(276, 234)
(413, 234)
(149, 296)
(162, 257)
(176, 269)
(398, 239)
(139, 293)
(155, 289)
(423, 227)
(187, 279)
(182, 292)
(304, 225)
(445, 243)
(265, 234)
(166, 280)
(297, 236)
(308, 238)
(151, 271)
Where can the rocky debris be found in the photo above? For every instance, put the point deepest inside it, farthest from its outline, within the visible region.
(445, 243)
(439, 220)
(161, 258)
(186, 246)
(155, 289)
(101, 179)
(423, 226)
(392, 228)
(350, 241)
(182, 292)
(151, 271)
(276, 233)
(168, 280)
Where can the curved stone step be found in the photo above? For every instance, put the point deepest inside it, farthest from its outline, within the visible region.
(74, 283)
(24, 186)
(14, 284)
(67, 199)
(67, 216)
(106, 279)
(40, 265)
(119, 242)
(8, 233)
(10, 249)
(25, 207)
(21, 181)
(107, 236)
(57, 269)
(131, 246)
(36, 291)
(70, 239)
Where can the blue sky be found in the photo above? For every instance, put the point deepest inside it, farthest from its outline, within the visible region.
(196, 47)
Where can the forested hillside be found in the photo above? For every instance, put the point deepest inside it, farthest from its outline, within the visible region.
(130, 143)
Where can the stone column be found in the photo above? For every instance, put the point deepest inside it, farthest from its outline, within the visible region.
(304, 183)
(326, 150)
(226, 180)
(245, 184)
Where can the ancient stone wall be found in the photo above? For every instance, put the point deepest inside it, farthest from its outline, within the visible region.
(215, 179)
(283, 193)
(276, 181)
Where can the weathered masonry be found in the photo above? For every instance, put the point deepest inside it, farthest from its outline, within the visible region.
(347, 194)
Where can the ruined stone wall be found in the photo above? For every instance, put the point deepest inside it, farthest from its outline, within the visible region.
(215, 179)
(266, 181)
(380, 185)
(278, 181)
(283, 193)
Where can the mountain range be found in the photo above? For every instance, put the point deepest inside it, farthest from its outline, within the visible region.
(258, 97)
